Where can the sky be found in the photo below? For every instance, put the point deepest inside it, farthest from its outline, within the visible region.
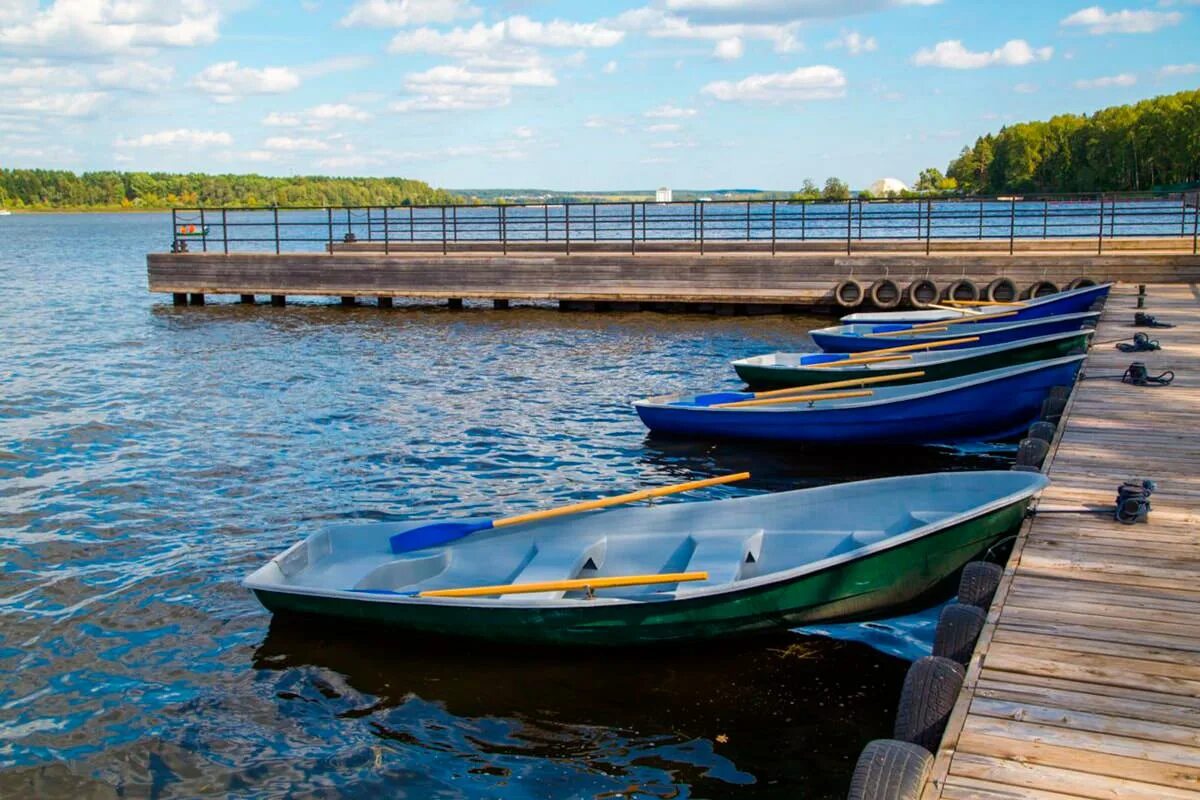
(564, 95)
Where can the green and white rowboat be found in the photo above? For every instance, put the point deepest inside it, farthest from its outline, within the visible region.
(772, 561)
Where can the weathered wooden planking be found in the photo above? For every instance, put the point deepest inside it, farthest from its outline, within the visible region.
(803, 279)
(1086, 680)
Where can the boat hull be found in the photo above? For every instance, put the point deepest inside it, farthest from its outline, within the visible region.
(862, 589)
(831, 340)
(991, 409)
(1072, 301)
(1022, 352)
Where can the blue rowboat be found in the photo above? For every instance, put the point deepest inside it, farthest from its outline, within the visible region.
(1072, 301)
(983, 407)
(857, 338)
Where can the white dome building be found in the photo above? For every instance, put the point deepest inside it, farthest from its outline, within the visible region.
(886, 186)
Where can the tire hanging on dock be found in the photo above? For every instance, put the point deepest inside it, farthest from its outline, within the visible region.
(957, 631)
(922, 293)
(978, 584)
(1040, 289)
(1001, 290)
(1080, 283)
(885, 293)
(848, 293)
(930, 690)
(888, 769)
(962, 289)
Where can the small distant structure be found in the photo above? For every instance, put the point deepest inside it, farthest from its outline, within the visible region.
(885, 186)
(663, 195)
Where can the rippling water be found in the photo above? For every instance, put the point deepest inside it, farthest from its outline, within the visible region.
(152, 456)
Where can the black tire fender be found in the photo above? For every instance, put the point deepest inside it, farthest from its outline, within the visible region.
(848, 293)
(930, 690)
(888, 769)
(922, 293)
(957, 632)
(1001, 290)
(978, 584)
(962, 289)
(885, 293)
(1040, 289)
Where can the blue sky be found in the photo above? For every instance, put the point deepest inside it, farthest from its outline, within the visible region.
(597, 95)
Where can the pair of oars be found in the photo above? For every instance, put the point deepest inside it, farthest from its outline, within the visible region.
(941, 325)
(439, 533)
(811, 393)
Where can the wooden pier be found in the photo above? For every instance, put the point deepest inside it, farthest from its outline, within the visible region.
(1085, 682)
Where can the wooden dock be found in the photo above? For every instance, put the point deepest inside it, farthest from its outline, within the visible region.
(1086, 679)
(732, 273)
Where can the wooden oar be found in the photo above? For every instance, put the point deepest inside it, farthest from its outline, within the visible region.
(437, 533)
(957, 310)
(863, 381)
(908, 348)
(798, 398)
(853, 362)
(911, 330)
(961, 320)
(983, 303)
(568, 585)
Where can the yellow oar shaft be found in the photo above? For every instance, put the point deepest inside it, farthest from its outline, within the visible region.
(908, 348)
(981, 303)
(568, 585)
(800, 398)
(961, 320)
(864, 381)
(909, 331)
(952, 308)
(853, 362)
(632, 497)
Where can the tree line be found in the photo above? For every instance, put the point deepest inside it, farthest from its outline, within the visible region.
(1151, 144)
(40, 189)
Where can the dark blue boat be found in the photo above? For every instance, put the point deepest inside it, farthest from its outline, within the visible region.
(857, 338)
(1072, 301)
(983, 407)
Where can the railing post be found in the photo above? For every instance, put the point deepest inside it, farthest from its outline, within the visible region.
(412, 231)
(1012, 222)
(1045, 218)
(1182, 214)
(224, 231)
(632, 229)
(454, 220)
(595, 235)
(567, 226)
(174, 231)
(1100, 233)
(328, 222)
(695, 223)
(849, 221)
(928, 224)
(1112, 219)
(275, 209)
(981, 220)
(443, 230)
(773, 227)
(859, 236)
(701, 228)
(546, 220)
(803, 219)
(386, 233)
(1195, 222)
(370, 233)
(643, 221)
(504, 229)
(748, 237)
(203, 233)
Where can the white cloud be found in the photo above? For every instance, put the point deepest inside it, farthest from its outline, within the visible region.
(1124, 79)
(179, 136)
(136, 76)
(398, 13)
(952, 55)
(729, 49)
(1096, 21)
(82, 28)
(819, 82)
(853, 42)
(455, 97)
(318, 117)
(41, 76)
(35, 101)
(1025, 88)
(669, 111)
(1173, 70)
(448, 75)
(664, 127)
(777, 10)
(509, 41)
(609, 68)
(523, 132)
(657, 24)
(289, 144)
(228, 81)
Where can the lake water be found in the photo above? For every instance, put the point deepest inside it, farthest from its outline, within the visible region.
(152, 456)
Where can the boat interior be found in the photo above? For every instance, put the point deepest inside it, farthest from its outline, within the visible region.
(734, 541)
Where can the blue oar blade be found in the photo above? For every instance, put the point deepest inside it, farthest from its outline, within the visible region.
(435, 534)
(822, 358)
(715, 398)
(891, 327)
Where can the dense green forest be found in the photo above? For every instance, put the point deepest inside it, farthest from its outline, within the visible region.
(46, 189)
(1147, 145)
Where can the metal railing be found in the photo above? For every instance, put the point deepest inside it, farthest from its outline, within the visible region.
(772, 224)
